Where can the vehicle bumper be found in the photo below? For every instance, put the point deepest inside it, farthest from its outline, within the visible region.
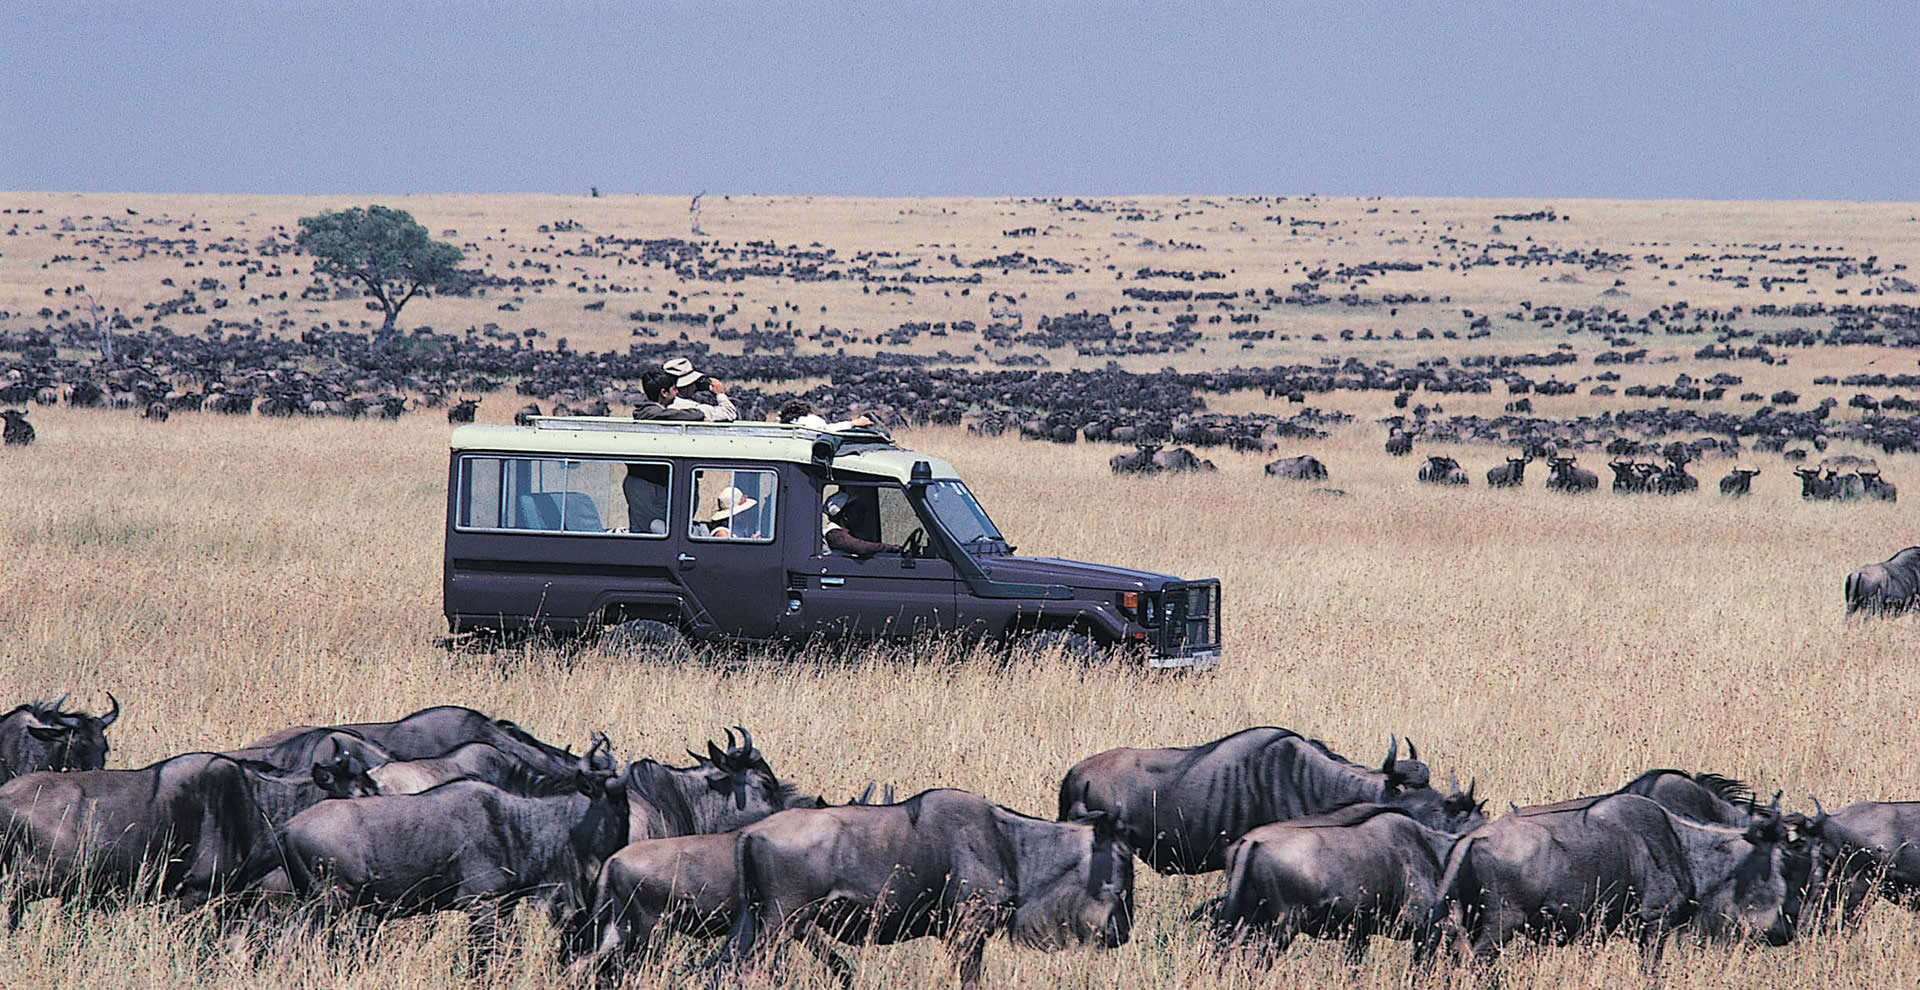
(1199, 660)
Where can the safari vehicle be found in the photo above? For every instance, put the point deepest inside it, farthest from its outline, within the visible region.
(580, 524)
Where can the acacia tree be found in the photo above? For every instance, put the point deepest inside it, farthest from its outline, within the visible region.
(382, 249)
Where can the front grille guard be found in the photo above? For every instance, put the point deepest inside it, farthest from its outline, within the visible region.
(1190, 623)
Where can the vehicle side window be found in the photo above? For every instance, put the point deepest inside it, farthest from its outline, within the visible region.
(560, 495)
(733, 505)
(876, 513)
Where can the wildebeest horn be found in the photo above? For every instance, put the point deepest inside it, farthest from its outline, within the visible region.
(114, 713)
(1819, 813)
(713, 754)
(697, 758)
(746, 741)
(1471, 784)
(1393, 754)
(1413, 752)
(731, 745)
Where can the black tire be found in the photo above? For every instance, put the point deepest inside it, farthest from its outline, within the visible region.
(1072, 645)
(639, 634)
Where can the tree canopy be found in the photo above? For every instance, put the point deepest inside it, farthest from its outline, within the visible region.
(381, 248)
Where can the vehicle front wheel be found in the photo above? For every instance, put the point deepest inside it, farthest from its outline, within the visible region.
(1071, 645)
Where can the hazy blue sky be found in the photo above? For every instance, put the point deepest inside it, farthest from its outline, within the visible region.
(1608, 99)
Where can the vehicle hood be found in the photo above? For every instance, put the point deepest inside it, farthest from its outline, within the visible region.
(1072, 573)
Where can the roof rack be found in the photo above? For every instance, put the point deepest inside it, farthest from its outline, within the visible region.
(611, 424)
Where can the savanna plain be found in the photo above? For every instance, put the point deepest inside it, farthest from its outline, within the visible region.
(226, 577)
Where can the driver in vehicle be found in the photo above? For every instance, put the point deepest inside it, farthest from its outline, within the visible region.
(841, 541)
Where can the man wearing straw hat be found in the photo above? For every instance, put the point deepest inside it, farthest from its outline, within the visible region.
(730, 503)
(688, 382)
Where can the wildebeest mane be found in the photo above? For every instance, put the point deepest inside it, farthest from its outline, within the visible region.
(45, 711)
(1728, 789)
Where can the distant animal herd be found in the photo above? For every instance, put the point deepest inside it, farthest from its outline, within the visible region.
(448, 809)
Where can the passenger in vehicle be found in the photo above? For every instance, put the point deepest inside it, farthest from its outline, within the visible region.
(646, 491)
(724, 522)
(839, 540)
(696, 391)
(661, 394)
(800, 413)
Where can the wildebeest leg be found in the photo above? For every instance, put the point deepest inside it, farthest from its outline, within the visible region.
(969, 949)
(483, 934)
(816, 943)
(1653, 944)
(1357, 938)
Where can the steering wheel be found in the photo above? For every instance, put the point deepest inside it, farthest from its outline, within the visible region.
(914, 544)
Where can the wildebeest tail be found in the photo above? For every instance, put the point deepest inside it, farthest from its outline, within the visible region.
(746, 908)
(268, 854)
(1231, 907)
(1073, 797)
(1461, 889)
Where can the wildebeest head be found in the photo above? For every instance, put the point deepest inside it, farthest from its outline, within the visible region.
(1461, 811)
(40, 736)
(343, 773)
(722, 791)
(1084, 896)
(1764, 893)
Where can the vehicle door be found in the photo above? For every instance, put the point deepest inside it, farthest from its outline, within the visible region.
(885, 595)
(729, 560)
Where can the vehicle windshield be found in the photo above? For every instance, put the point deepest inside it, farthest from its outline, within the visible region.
(962, 517)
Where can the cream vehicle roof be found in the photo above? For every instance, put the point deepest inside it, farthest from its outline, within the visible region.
(595, 436)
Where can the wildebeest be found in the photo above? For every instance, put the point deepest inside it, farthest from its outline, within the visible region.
(156, 412)
(40, 736)
(1877, 488)
(524, 415)
(425, 733)
(1738, 482)
(469, 761)
(192, 819)
(1887, 587)
(1509, 475)
(1358, 871)
(1617, 863)
(1306, 467)
(1181, 807)
(1443, 471)
(1845, 487)
(1400, 443)
(464, 845)
(1813, 487)
(684, 884)
(943, 863)
(1703, 797)
(1563, 476)
(1865, 848)
(1673, 479)
(17, 432)
(463, 411)
(1150, 459)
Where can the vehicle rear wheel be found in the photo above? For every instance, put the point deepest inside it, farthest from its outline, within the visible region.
(637, 634)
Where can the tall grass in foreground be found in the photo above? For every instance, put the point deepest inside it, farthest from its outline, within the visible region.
(227, 578)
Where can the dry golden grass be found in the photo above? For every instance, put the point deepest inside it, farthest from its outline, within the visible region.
(228, 577)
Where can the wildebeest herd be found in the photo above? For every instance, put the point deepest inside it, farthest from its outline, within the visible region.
(448, 809)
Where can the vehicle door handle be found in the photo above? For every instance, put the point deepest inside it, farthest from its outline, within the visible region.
(829, 582)
(686, 560)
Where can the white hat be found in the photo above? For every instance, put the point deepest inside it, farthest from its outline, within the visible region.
(682, 371)
(728, 504)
